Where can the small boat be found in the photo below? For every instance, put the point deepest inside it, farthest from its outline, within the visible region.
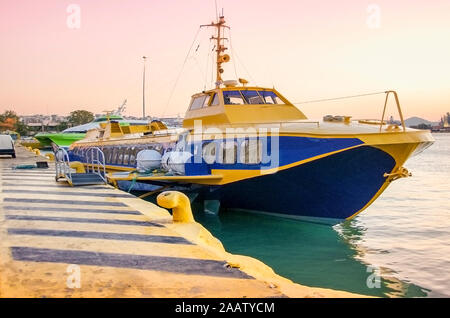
(72, 134)
(249, 148)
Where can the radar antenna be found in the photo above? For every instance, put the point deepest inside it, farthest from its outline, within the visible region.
(121, 108)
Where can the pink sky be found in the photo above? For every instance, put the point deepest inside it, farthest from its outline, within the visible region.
(306, 49)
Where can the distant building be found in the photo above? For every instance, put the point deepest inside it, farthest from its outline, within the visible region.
(39, 123)
(444, 124)
(446, 121)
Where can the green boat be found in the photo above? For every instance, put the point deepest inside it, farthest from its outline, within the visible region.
(72, 134)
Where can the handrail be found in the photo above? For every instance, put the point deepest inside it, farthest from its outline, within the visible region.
(95, 162)
(62, 165)
(398, 108)
(368, 94)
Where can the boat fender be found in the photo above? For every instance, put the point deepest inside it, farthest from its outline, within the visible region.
(174, 161)
(148, 160)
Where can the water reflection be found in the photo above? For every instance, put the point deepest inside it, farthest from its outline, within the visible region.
(353, 233)
(310, 254)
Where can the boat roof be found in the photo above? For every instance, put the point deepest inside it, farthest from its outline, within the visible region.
(106, 117)
(240, 105)
(96, 124)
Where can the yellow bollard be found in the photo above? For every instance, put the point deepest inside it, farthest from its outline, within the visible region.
(37, 152)
(180, 205)
(50, 156)
(78, 166)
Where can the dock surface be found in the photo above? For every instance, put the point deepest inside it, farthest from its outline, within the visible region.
(97, 241)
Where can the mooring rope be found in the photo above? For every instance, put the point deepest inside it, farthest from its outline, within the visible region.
(338, 98)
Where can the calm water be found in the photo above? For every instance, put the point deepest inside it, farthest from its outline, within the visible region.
(405, 235)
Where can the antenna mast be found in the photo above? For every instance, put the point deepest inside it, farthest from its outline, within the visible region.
(220, 47)
(121, 108)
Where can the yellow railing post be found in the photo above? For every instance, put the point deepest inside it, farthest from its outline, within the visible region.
(398, 108)
(384, 110)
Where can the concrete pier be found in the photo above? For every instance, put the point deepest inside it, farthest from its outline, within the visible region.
(97, 241)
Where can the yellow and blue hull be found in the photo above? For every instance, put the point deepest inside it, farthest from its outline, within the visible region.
(328, 178)
(334, 187)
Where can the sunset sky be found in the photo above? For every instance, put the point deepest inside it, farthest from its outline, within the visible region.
(306, 49)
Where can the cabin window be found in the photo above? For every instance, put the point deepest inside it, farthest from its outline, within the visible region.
(133, 153)
(110, 154)
(120, 155)
(252, 97)
(199, 102)
(250, 151)
(270, 97)
(114, 155)
(233, 98)
(106, 154)
(126, 156)
(215, 100)
(228, 152)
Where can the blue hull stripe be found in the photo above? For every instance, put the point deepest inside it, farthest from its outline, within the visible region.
(294, 149)
(291, 149)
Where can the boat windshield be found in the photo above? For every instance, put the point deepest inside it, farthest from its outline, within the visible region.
(253, 97)
(199, 102)
(233, 98)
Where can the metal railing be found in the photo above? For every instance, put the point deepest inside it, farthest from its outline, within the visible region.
(381, 122)
(398, 108)
(62, 165)
(367, 121)
(95, 162)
